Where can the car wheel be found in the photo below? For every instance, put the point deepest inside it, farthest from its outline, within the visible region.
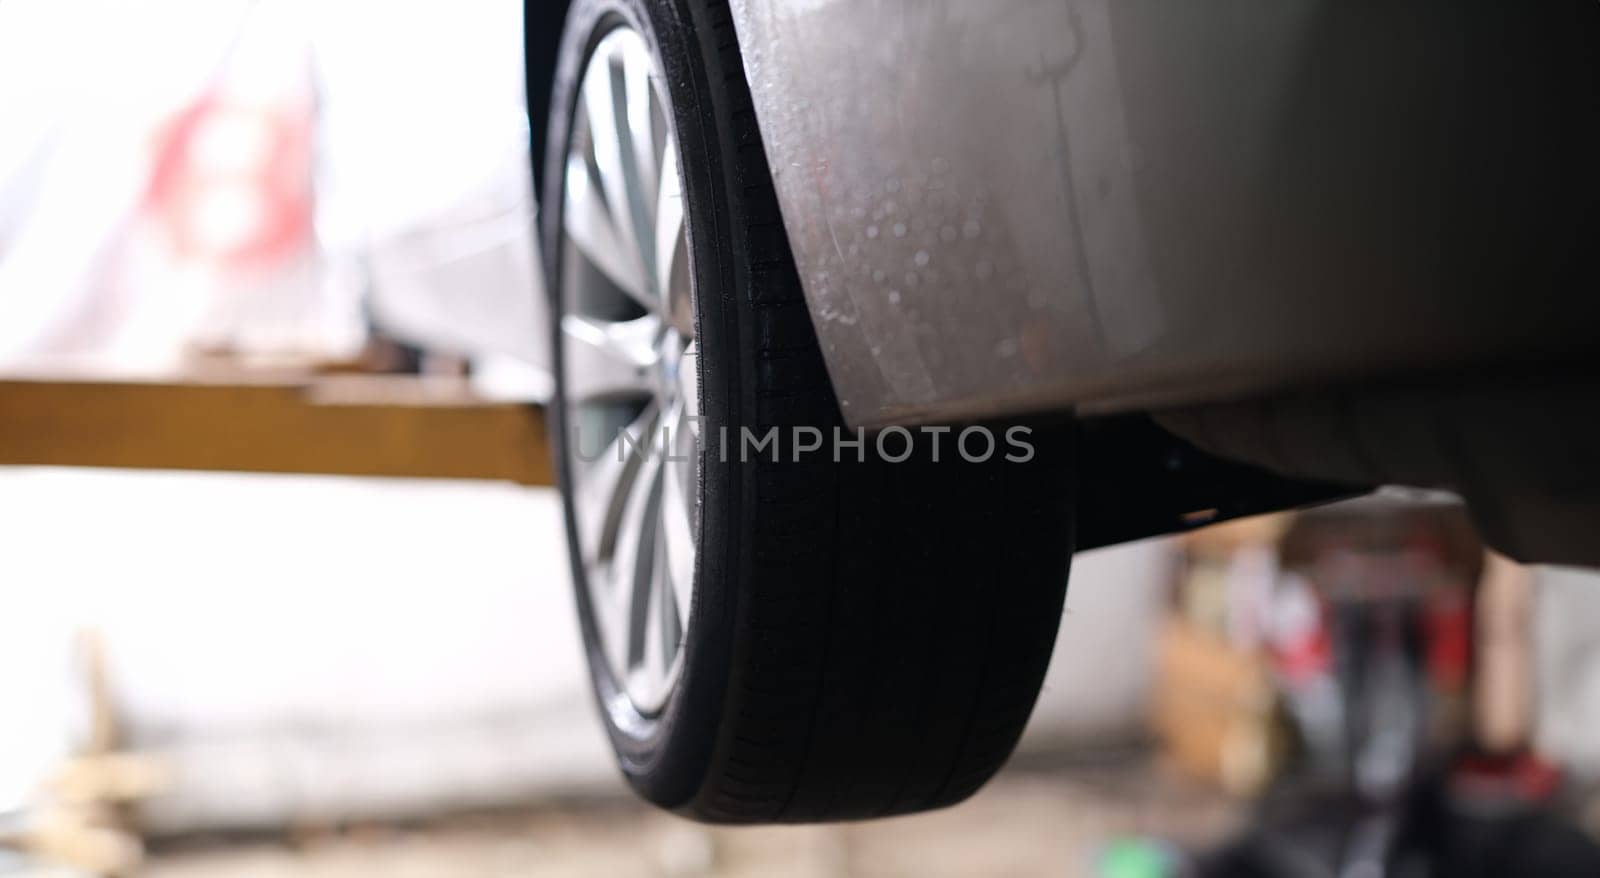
(852, 631)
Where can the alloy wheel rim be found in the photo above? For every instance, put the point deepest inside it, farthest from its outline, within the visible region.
(630, 367)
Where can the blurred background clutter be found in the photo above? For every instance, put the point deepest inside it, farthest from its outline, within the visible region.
(189, 186)
(207, 674)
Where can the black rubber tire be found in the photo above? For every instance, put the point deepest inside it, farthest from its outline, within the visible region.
(866, 638)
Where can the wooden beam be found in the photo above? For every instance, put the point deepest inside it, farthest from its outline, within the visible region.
(314, 426)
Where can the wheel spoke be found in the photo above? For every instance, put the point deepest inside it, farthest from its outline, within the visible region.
(668, 617)
(605, 111)
(671, 247)
(678, 511)
(622, 558)
(605, 483)
(589, 225)
(605, 494)
(648, 668)
(638, 561)
(610, 608)
(639, 100)
(606, 360)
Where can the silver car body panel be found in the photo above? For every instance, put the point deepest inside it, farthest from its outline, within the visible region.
(1017, 205)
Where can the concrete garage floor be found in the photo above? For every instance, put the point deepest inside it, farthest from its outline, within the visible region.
(1029, 822)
